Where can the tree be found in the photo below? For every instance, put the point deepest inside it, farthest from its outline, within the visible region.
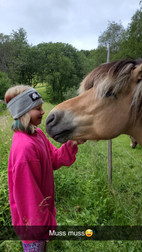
(140, 3)
(94, 58)
(135, 35)
(5, 52)
(5, 83)
(19, 54)
(27, 68)
(12, 54)
(131, 45)
(19, 39)
(113, 35)
(61, 66)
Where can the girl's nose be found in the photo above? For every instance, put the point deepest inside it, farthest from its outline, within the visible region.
(42, 112)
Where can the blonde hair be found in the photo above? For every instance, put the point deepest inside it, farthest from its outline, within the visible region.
(23, 122)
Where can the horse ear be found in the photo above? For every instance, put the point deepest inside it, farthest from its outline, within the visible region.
(137, 73)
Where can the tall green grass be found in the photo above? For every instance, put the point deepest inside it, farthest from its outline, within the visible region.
(82, 194)
(42, 89)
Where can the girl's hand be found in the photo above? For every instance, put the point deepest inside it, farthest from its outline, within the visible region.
(77, 142)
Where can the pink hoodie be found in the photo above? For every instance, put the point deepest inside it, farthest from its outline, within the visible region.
(30, 177)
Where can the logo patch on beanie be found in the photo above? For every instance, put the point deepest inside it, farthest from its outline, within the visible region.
(34, 96)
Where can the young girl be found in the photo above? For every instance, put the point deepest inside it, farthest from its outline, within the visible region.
(30, 168)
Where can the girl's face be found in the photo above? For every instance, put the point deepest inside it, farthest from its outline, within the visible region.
(36, 115)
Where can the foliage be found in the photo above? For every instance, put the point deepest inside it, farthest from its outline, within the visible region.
(61, 68)
(124, 43)
(113, 36)
(41, 88)
(97, 57)
(140, 3)
(135, 35)
(5, 52)
(70, 93)
(5, 83)
(131, 44)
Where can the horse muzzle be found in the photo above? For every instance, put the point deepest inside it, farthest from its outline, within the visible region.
(60, 125)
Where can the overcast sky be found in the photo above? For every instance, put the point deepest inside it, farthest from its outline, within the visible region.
(77, 22)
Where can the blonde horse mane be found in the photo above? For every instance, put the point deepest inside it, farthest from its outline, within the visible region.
(115, 77)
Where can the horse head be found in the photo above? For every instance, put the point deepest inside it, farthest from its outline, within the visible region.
(108, 104)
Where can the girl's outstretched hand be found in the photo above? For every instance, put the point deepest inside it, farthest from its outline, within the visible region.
(77, 142)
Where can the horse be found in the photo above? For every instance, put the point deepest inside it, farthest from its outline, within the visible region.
(109, 104)
(133, 143)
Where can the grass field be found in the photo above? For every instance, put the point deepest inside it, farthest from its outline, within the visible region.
(83, 196)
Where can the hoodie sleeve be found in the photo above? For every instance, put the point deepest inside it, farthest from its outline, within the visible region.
(64, 156)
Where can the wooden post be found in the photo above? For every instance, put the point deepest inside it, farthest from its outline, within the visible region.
(109, 153)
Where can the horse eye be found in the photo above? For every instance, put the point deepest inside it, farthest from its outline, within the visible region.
(110, 93)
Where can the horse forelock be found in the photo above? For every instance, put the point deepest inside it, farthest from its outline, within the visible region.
(114, 76)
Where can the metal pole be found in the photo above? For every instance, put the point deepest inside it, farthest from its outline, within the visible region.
(109, 161)
(109, 141)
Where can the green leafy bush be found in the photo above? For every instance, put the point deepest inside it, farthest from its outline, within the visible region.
(70, 93)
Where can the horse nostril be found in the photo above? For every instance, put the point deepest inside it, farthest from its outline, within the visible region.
(53, 119)
(50, 119)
